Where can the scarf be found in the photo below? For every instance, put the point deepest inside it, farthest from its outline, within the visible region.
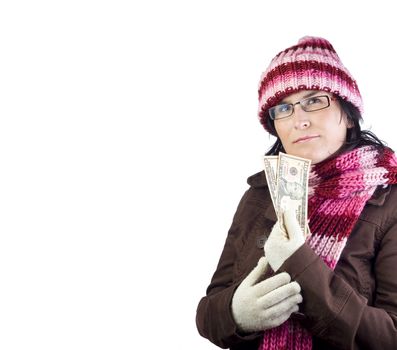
(338, 191)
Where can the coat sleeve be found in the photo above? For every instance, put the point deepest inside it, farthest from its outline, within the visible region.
(334, 312)
(214, 318)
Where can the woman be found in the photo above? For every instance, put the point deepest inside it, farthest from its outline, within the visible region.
(336, 289)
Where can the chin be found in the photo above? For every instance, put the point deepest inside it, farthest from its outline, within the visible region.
(319, 159)
(307, 155)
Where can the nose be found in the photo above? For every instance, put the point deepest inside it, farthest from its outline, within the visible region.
(301, 118)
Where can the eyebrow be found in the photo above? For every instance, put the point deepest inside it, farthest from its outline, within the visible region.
(309, 94)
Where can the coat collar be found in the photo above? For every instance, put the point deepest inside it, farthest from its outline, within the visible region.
(258, 181)
(380, 195)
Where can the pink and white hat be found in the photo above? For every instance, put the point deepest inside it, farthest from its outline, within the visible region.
(312, 64)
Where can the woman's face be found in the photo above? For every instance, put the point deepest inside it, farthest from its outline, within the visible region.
(312, 135)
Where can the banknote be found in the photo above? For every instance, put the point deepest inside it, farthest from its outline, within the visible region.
(270, 163)
(292, 186)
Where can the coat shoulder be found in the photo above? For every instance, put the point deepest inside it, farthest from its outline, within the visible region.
(381, 209)
(257, 180)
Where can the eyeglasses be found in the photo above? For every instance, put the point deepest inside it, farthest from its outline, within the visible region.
(309, 104)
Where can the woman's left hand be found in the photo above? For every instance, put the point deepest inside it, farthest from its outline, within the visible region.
(282, 244)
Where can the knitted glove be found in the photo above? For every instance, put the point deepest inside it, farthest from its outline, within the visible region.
(281, 244)
(267, 304)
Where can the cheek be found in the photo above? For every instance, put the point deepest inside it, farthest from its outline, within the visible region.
(282, 128)
(335, 137)
(339, 130)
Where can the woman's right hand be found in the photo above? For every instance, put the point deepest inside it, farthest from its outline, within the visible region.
(267, 304)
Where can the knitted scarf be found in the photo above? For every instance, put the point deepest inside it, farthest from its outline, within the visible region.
(338, 191)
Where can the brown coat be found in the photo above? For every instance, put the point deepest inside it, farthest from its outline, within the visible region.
(352, 307)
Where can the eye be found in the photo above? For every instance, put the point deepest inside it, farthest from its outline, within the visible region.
(284, 108)
(313, 101)
(281, 111)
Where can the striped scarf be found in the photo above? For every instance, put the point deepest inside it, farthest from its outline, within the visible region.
(338, 191)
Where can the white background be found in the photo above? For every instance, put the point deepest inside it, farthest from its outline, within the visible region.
(127, 132)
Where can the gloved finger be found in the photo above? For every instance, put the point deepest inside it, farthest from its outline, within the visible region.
(278, 231)
(282, 317)
(257, 272)
(279, 295)
(292, 224)
(281, 222)
(281, 308)
(272, 283)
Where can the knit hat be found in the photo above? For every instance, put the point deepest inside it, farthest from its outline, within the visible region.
(312, 64)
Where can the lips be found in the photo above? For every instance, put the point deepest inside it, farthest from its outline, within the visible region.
(305, 139)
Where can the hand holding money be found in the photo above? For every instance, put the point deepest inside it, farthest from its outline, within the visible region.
(284, 240)
(287, 177)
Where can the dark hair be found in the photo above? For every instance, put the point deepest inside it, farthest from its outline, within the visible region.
(355, 137)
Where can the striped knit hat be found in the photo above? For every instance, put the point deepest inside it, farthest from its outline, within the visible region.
(312, 64)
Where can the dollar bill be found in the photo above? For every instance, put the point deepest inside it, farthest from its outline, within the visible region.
(292, 186)
(270, 163)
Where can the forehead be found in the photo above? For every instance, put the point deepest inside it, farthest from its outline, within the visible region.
(296, 96)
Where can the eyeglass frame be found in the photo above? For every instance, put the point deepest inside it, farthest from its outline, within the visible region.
(329, 98)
